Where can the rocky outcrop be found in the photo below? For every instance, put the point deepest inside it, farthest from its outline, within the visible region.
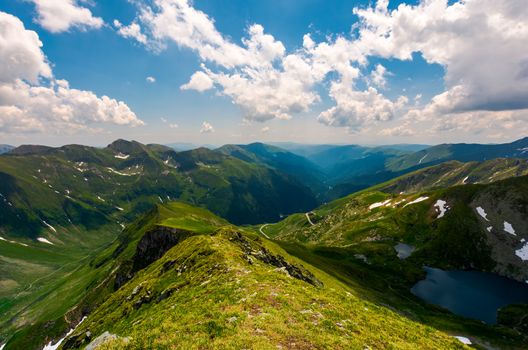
(251, 251)
(152, 246)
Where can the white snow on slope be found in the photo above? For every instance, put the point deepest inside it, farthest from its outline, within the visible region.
(489, 228)
(482, 213)
(101, 199)
(417, 200)
(13, 242)
(422, 159)
(379, 204)
(509, 228)
(442, 207)
(119, 208)
(56, 345)
(523, 252)
(465, 179)
(51, 227)
(463, 339)
(122, 156)
(120, 173)
(44, 240)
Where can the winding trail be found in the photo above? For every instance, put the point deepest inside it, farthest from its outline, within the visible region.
(308, 217)
(261, 231)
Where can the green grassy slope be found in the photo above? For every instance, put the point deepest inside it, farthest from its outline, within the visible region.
(60, 207)
(284, 161)
(372, 221)
(227, 288)
(181, 277)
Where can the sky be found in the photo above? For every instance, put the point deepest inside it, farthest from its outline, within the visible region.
(240, 71)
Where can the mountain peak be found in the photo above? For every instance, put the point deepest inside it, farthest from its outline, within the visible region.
(126, 147)
(31, 149)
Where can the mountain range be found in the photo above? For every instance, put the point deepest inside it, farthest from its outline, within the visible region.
(244, 246)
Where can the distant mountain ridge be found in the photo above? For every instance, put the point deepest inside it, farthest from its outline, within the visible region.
(5, 148)
(461, 152)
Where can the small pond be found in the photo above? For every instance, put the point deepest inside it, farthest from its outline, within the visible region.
(404, 250)
(472, 294)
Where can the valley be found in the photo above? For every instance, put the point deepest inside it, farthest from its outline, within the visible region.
(81, 226)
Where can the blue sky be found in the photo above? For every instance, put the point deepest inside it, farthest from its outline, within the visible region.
(100, 60)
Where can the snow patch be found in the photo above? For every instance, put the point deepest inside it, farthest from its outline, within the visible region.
(120, 173)
(379, 204)
(51, 227)
(482, 213)
(422, 159)
(119, 208)
(101, 199)
(442, 208)
(13, 242)
(463, 339)
(122, 156)
(489, 228)
(509, 228)
(417, 200)
(55, 346)
(44, 240)
(465, 179)
(523, 252)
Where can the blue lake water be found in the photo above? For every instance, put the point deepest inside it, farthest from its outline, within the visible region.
(472, 294)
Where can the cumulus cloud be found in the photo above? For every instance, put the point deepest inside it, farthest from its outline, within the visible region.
(21, 56)
(61, 15)
(133, 30)
(199, 82)
(206, 128)
(32, 100)
(150, 80)
(355, 109)
(265, 129)
(480, 44)
(378, 76)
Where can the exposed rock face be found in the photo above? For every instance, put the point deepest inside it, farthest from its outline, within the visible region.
(262, 254)
(155, 244)
(152, 246)
(506, 226)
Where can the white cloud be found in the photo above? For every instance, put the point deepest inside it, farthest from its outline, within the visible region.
(163, 120)
(32, 100)
(480, 44)
(150, 80)
(378, 76)
(61, 15)
(133, 30)
(206, 128)
(355, 109)
(173, 126)
(21, 56)
(199, 82)
(265, 129)
(400, 130)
